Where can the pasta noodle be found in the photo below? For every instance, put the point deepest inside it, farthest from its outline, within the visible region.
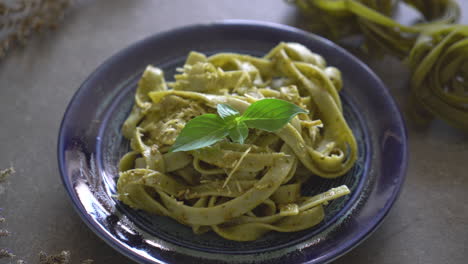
(433, 47)
(340, 18)
(239, 191)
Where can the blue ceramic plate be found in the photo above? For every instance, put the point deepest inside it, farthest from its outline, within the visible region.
(90, 145)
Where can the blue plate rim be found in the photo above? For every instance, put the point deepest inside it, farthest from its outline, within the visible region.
(326, 258)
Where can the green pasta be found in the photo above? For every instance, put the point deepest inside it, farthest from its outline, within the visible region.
(439, 84)
(434, 48)
(340, 18)
(239, 191)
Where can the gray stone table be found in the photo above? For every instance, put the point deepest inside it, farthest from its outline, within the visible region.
(428, 224)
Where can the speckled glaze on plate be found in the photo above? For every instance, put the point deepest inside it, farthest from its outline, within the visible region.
(90, 145)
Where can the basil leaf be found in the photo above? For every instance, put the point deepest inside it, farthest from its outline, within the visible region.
(205, 130)
(226, 112)
(239, 132)
(270, 114)
(202, 131)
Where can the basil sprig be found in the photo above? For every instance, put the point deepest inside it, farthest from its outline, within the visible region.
(205, 130)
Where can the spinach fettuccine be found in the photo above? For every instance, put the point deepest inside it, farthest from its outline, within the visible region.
(434, 47)
(239, 189)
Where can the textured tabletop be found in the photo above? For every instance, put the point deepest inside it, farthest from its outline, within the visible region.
(428, 224)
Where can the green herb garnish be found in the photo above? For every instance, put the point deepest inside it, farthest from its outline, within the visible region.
(205, 130)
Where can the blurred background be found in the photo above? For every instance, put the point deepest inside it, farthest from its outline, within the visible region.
(62, 42)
